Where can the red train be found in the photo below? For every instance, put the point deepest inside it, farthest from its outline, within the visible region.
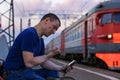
(94, 38)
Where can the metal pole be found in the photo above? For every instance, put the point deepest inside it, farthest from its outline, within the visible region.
(12, 6)
(20, 24)
(29, 22)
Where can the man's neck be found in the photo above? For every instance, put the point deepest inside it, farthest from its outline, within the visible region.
(39, 31)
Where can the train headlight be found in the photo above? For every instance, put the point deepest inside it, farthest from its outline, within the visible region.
(109, 36)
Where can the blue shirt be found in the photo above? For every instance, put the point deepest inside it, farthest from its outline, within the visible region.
(27, 40)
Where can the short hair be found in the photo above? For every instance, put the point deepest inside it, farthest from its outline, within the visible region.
(52, 17)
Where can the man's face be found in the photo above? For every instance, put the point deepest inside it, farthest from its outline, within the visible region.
(51, 27)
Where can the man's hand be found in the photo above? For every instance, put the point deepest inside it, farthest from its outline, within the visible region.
(68, 67)
(53, 52)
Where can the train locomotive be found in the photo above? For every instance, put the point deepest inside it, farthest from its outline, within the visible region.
(94, 38)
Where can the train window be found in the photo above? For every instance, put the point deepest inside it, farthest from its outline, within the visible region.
(79, 31)
(116, 17)
(106, 18)
(98, 19)
(75, 33)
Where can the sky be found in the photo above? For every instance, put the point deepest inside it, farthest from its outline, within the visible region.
(23, 6)
(34, 9)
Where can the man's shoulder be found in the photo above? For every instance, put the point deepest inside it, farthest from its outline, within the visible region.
(29, 31)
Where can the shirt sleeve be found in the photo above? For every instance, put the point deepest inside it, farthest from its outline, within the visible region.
(28, 42)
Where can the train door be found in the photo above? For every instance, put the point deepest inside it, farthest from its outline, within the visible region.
(85, 54)
(62, 46)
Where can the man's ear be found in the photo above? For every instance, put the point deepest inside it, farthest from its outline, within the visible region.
(47, 20)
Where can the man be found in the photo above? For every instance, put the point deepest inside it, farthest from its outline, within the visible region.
(28, 51)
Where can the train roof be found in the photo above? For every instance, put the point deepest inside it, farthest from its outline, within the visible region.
(107, 5)
(74, 23)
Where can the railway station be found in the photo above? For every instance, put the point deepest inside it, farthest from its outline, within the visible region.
(39, 40)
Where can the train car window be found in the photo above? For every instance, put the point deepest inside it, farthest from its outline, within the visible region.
(79, 32)
(69, 36)
(106, 18)
(116, 17)
(76, 33)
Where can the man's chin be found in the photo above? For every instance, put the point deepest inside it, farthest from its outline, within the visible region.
(47, 35)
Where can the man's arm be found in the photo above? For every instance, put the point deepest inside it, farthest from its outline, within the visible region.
(51, 66)
(31, 61)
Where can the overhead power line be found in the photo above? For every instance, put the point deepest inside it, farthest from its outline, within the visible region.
(63, 14)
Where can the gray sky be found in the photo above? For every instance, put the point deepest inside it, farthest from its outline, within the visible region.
(23, 6)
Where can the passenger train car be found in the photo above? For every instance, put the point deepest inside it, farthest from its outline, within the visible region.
(94, 38)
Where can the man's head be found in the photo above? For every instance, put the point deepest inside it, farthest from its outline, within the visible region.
(50, 24)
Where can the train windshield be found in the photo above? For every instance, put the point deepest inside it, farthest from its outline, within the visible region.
(109, 18)
(106, 18)
(116, 17)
